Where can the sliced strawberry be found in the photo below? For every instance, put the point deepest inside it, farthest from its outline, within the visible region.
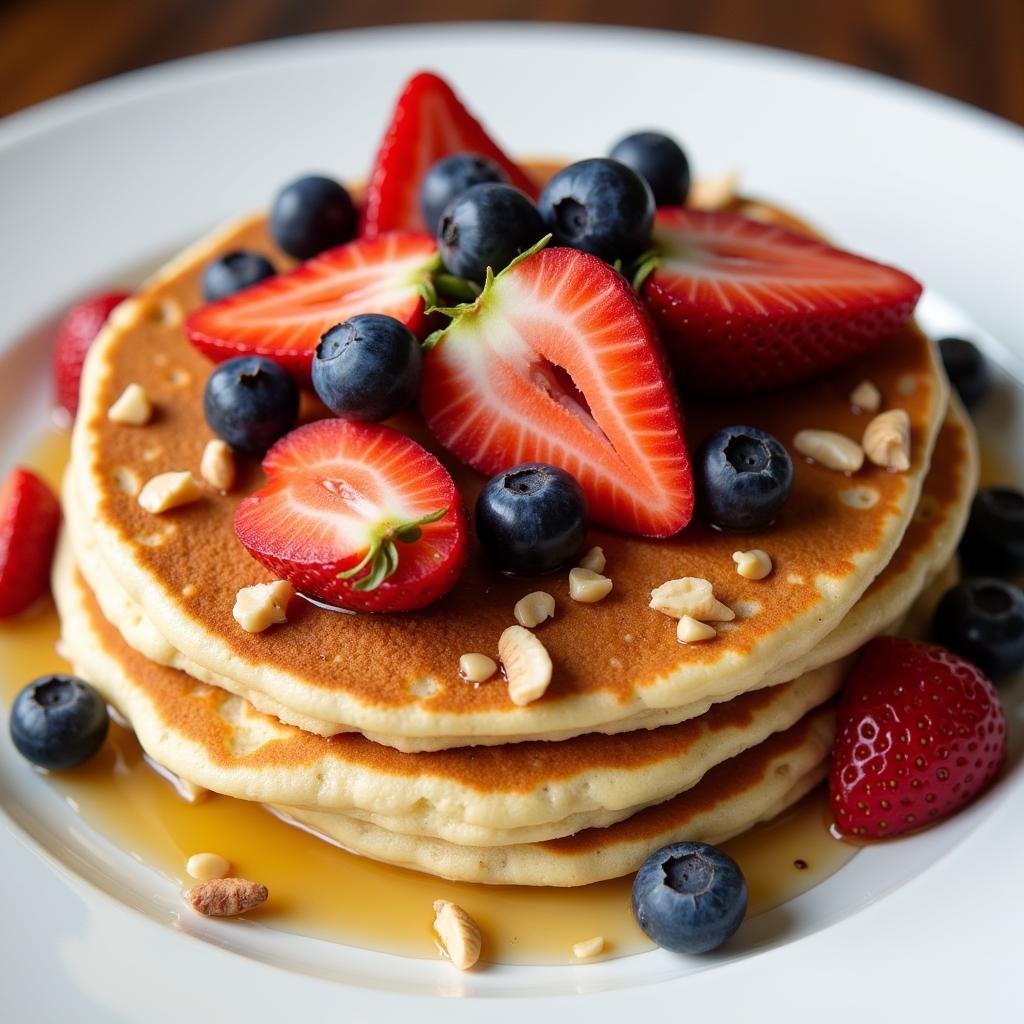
(745, 306)
(283, 317)
(429, 123)
(557, 362)
(29, 518)
(357, 515)
(77, 332)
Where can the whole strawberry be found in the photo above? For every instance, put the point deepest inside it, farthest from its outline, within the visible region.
(77, 331)
(920, 733)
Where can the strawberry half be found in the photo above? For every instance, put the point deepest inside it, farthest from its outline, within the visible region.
(29, 519)
(558, 362)
(745, 306)
(429, 123)
(75, 335)
(920, 733)
(357, 515)
(284, 317)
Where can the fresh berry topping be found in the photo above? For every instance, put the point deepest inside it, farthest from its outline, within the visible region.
(599, 206)
(77, 331)
(57, 722)
(234, 271)
(982, 620)
(487, 226)
(356, 515)
(311, 215)
(689, 897)
(532, 519)
(284, 317)
(29, 519)
(745, 306)
(743, 477)
(966, 368)
(449, 178)
(994, 539)
(429, 123)
(367, 368)
(920, 733)
(660, 162)
(557, 362)
(250, 402)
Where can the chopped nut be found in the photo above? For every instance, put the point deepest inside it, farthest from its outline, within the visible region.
(534, 609)
(866, 396)
(262, 605)
(831, 450)
(714, 193)
(719, 613)
(477, 668)
(752, 565)
(690, 631)
(527, 665)
(687, 596)
(458, 933)
(206, 866)
(217, 466)
(587, 586)
(169, 490)
(226, 897)
(887, 440)
(132, 407)
(588, 948)
(593, 560)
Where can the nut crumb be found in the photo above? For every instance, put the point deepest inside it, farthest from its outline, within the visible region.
(535, 608)
(207, 866)
(865, 397)
(458, 932)
(169, 490)
(217, 466)
(689, 595)
(829, 449)
(753, 565)
(133, 407)
(887, 440)
(714, 193)
(587, 586)
(262, 605)
(594, 560)
(588, 948)
(527, 665)
(690, 631)
(226, 897)
(477, 668)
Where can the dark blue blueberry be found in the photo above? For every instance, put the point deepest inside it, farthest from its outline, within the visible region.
(660, 162)
(234, 271)
(743, 477)
(599, 206)
(689, 897)
(993, 542)
(966, 368)
(58, 722)
(250, 402)
(367, 368)
(450, 177)
(310, 215)
(982, 620)
(487, 226)
(532, 519)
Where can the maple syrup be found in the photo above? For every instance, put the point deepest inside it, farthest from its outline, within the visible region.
(320, 890)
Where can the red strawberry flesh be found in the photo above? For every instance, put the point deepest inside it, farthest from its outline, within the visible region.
(75, 336)
(29, 520)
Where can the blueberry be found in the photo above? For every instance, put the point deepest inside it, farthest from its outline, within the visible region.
(58, 722)
(234, 271)
(660, 162)
(310, 215)
(982, 620)
(966, 368)
(993, 542)
(743, 477)
(599, 206)
(250, 402)
(367, 368)
(532, 519)
(450, 177)
(689, 897)
(486, 226)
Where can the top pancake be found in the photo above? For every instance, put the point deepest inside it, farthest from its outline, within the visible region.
(397, 675)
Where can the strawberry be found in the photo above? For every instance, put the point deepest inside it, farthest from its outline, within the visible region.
(283, 317)
(76, 333)
(920, 733)
(429, 123)
(29, 518)
(558, 362)
(357, 515)
(745, 306)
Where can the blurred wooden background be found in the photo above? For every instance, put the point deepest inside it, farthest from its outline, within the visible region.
(970, 49)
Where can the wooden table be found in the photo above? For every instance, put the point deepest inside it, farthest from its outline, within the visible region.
(970, 49)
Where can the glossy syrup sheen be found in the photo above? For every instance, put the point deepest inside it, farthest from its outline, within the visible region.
(318, 889)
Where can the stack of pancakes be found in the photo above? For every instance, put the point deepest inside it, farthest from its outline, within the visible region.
(360, 727)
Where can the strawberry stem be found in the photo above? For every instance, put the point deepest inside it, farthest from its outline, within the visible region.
(381, 558)
(643, 266)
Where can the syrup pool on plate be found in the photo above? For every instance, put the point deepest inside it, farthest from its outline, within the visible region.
(318, 889)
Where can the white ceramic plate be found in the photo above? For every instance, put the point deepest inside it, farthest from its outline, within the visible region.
(99, 183)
